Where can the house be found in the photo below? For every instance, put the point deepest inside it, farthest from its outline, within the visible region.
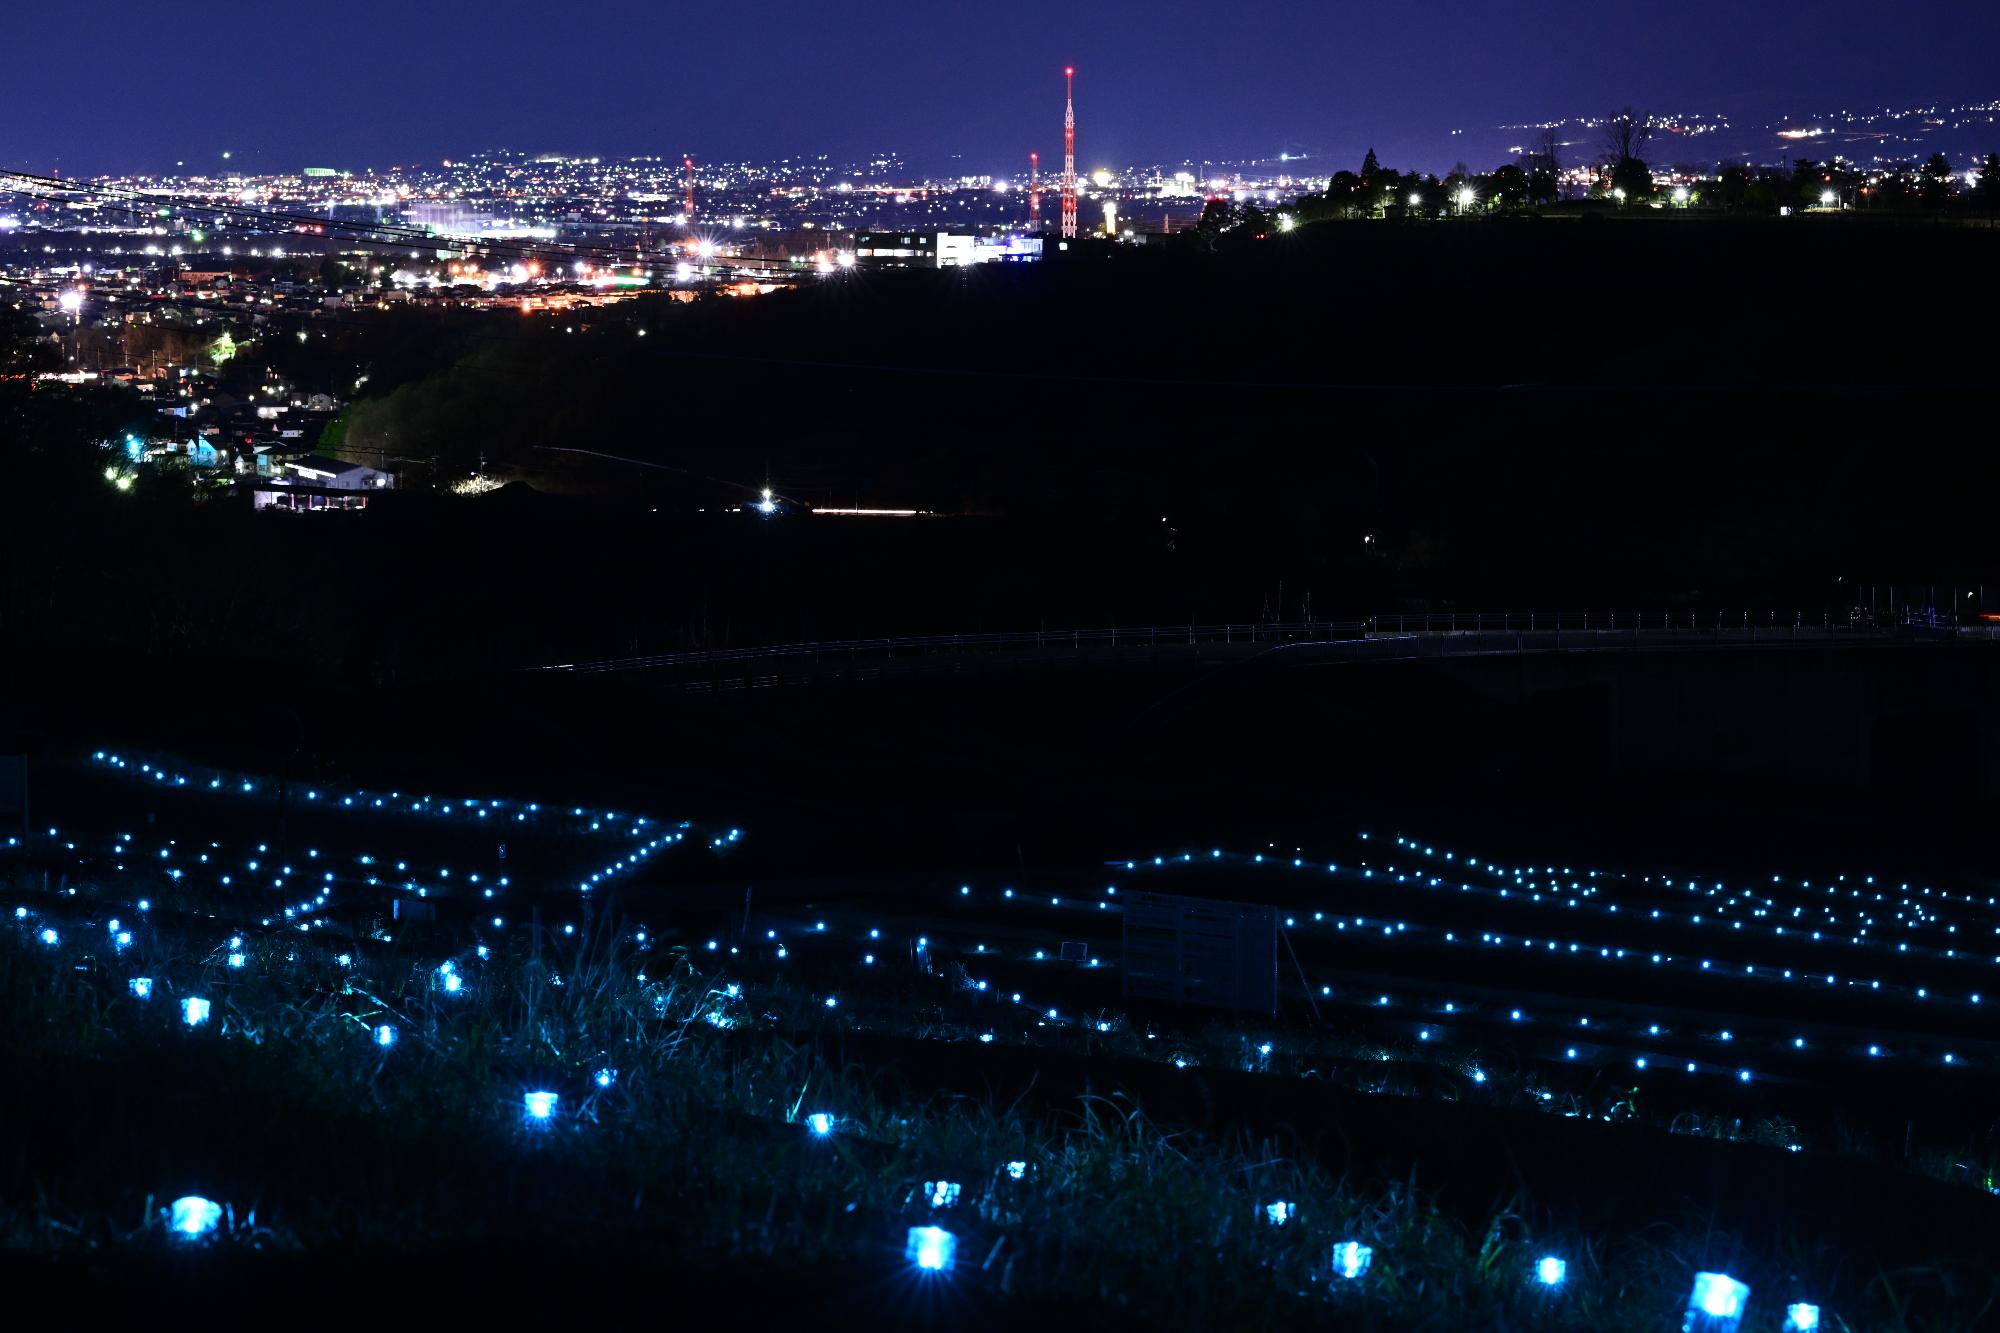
(330, 474)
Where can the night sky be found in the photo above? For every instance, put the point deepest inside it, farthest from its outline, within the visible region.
(127, 86)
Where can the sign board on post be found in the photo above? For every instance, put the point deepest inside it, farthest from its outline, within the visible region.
(1201, 951)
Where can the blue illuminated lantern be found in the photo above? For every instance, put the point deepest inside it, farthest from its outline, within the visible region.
(931, 1249)
(385, 1036)
(49, 937)
(1801, 1318)
(606, 1077)
(1278, 1213)
(539, 1105)
(820, 1123)
(194, 1011)
(1551, 1271)
(192, 1217)
(1716, 1304)
(1351, 1258)
(1016, 1170)
(142, 988)
(943, 1193)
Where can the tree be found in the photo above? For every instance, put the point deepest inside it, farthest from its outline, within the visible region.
(1988, 189)
(1732, 184)
(1216, 217)
(1626, 135)
(1937, 181)
(1343, 194)
(1370, 168)
(1509, 185)
(23, 348)
(1634, 178)
(1543, 167)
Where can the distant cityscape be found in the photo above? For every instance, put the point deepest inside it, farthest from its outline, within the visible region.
(158, 281)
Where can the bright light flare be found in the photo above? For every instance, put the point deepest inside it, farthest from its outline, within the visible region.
(931, 1249)
(191, 1217)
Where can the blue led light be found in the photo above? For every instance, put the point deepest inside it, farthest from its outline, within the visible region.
(1351, 1258)
(943, 1193)
(1016, 1170)
(1278, 1213)
(142, 988)
(194, 1011)
(1716, 1304)
(931, 1249)
(1550, 1271)
(1801, 1317)
(385, 1036)
(191, 1217)
(820, 1123)
(606, 1077)
(539, 1105)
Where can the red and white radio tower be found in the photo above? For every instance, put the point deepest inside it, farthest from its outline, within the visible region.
(1069, 154)
(688, 162)
(1035, 191)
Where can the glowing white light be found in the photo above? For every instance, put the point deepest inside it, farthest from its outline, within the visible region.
(142, 988)
(1016, 1170)
(539, 1105)
(70, 301)
(820, 1123)
(1550, 1271)
(1279, 1213)
(194, 1011)
(1802, 1318)
(944, 1193)
(1720, 1298)
(1351, 1258)
(49, 936)
(236, 960)
(385, 1036)
(192, 1216)
(931, 1249)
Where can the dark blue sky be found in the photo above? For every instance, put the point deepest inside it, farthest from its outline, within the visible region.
(141, 86)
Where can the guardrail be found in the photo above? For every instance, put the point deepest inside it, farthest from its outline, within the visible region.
(1155, 635)
(1571, 630)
